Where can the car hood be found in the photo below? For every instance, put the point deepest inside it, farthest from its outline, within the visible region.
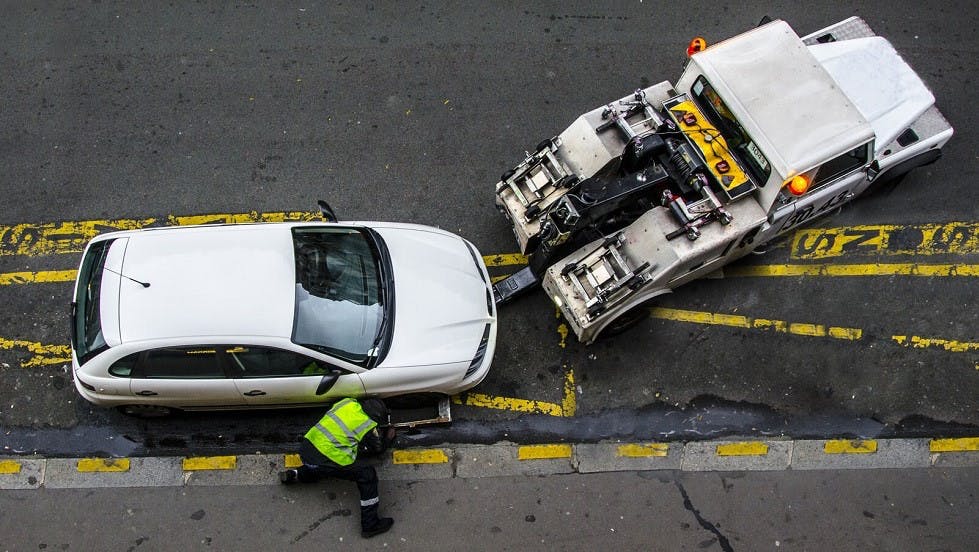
(440, 295)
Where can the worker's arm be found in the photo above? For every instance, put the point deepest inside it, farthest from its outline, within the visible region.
(377, 440)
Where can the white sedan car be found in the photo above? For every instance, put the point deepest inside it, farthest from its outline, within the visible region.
(274, 315)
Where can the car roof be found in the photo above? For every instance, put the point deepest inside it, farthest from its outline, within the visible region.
(787, 102)
(234, 280)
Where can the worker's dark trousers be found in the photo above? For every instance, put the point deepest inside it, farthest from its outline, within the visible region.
(361, 473)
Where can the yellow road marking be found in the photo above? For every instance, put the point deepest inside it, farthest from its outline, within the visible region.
(103, 465)
(543, 452)
(846, 446)
(960, 238)
(504, 259)
(567, 407)
(562, 330)
(635, 450)
(508, 403)
(891, 269)
(210, 463)
(40, 277)
(429, 456)
(570, 401)
(57, 238)
(924, 342)
(738, 321)
(964, 444)
(9, 467)
(744, 448)
(43, 354)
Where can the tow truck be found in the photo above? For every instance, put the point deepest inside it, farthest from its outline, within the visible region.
(762, 132)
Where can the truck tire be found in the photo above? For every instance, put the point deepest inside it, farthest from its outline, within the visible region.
(894, 175)
(626, 321)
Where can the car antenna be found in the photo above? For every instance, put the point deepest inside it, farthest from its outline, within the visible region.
(144, 284)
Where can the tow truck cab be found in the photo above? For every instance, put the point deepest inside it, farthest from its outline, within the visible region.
(761, 133)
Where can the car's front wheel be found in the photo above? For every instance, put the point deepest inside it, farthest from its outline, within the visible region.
(146, 410)
(413, 401)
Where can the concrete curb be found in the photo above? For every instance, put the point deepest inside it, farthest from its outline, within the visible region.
(502, 459)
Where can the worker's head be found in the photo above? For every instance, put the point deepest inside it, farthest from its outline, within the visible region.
(375, 409)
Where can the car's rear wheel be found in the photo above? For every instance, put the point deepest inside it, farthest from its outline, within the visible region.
(146, 410)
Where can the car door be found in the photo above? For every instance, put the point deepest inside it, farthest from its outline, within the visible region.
(183, 377)
(266, 376)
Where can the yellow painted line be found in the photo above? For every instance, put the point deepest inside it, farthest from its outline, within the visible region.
(924, 342)
(508, 403)
(635, 450)
(738, 321)
(959, 238)
(428, 456)
(891, 269)
(9, 467)
(505, 259)
(40, 277)
(567, 407)
(292, 461)
(43, 354)
(744, 448)
(103, 465)
(570, 401)
(810, 330)
(56, 238)
(210, 463)
(543, 452)
(847, 446)
(965, 444)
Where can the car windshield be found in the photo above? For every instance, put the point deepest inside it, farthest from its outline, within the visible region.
(744, 148)
(339, 292)
(86, 323)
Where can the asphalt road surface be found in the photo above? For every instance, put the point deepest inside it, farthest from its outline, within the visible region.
(118, 112)
(930, 509)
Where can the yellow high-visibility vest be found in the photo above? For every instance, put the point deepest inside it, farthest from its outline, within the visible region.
(340, 430)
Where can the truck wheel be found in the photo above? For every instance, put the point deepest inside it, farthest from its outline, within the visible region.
(896, 174)
(626, 320)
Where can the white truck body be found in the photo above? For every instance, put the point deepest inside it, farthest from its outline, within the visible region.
(701, 168)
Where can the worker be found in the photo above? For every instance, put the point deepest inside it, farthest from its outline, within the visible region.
(330, 449)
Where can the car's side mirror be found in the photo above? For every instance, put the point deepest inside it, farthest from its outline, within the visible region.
(327, 382)
(326, 211)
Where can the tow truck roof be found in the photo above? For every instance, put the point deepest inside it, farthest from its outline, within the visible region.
(783, 97)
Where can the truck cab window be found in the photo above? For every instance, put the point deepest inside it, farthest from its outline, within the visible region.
(854, 159)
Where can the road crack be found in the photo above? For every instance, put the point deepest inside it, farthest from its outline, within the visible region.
(721, 539)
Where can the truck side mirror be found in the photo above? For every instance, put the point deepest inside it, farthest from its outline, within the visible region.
(327, 382)
(873, 170)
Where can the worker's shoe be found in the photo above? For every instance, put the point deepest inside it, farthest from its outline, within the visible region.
(381, 526)
(288, 476)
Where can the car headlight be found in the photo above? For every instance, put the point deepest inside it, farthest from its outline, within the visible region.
(480, 353)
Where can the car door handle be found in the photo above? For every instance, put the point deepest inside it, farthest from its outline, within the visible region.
(254, 393)
(147, 393)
